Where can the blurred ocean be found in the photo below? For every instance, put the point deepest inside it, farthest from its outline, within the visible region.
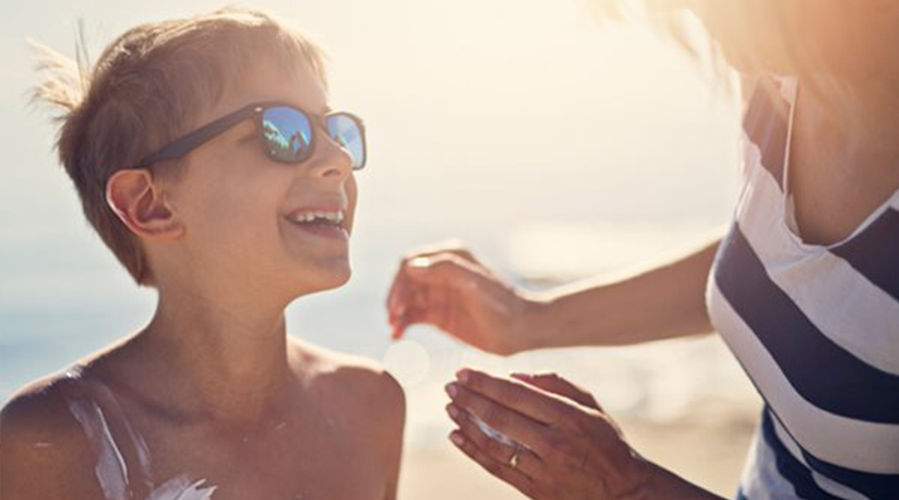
(554, 147)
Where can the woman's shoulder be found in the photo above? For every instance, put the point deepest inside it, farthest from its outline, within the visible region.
(44, 452)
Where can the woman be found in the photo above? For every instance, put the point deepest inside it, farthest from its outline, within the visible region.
(804, 287)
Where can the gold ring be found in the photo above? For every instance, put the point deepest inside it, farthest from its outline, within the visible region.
(513, 460)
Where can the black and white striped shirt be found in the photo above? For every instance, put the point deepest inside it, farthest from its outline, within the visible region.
(815, 327)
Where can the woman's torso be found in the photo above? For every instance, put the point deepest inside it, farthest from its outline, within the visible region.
(816, 327)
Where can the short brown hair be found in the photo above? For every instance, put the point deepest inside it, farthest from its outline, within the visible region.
(142, 92)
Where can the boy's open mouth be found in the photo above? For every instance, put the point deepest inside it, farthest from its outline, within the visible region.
(329, 223)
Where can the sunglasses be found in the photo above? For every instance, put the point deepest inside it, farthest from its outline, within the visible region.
(288, 134)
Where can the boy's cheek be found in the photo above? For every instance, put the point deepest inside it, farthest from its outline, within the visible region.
(352, 193)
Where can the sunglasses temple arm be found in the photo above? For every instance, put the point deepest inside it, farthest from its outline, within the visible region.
(195, 139)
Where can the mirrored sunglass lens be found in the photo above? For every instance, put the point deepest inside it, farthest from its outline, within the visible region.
(345, 131)
(288, 133)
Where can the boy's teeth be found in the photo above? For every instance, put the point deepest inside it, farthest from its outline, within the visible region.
(334, 217)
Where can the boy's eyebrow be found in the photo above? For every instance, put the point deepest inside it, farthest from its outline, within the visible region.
(321, 111)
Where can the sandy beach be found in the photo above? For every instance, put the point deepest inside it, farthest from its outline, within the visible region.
(707, 446)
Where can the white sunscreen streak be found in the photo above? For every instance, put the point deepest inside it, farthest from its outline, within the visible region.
(143, 453)
(180, 488)
(493, 433)
(111, 471)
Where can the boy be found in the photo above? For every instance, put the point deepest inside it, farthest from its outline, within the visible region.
(206, 157)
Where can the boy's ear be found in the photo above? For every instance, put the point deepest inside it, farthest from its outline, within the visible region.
(141, 206)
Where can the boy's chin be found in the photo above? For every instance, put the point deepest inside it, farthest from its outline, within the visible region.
(324, 280)
(340, 279)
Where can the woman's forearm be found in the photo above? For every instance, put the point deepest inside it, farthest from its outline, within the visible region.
(666, 301)
(666, 485)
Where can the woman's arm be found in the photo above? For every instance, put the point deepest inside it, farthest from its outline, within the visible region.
(666, 484)
(450, 288)
(663, 302)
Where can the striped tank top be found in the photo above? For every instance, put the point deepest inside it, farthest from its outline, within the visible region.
(815, 327)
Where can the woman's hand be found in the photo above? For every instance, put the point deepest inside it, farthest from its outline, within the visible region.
(448, 287)
(566, 446)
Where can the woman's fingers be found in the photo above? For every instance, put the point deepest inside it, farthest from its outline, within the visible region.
(503, 471)
(432, 289)
(514, 455)
(406, 297)
(506, 421)
(452, 247)
(446, 270)
(552, 382)
(432, 305)
(468, 282)
(524, 399)
(583, 456)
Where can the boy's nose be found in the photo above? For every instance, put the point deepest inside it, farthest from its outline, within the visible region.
(330, 159)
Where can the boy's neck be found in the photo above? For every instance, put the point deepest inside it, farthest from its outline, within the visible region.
(228, 360)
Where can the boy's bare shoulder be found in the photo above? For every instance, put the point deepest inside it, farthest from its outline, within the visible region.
(361, 382)
(39, 410)
(366, 396)
(44, 452)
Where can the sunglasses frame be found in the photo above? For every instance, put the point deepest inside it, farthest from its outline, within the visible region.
(192, 140)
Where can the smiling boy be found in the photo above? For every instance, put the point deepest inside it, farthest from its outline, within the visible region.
(206, 157)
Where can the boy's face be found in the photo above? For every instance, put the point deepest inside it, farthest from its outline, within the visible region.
(237, 204)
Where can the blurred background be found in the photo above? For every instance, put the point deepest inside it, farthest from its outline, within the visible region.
(555, 146)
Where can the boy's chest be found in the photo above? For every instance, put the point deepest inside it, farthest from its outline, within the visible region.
(299, 460)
